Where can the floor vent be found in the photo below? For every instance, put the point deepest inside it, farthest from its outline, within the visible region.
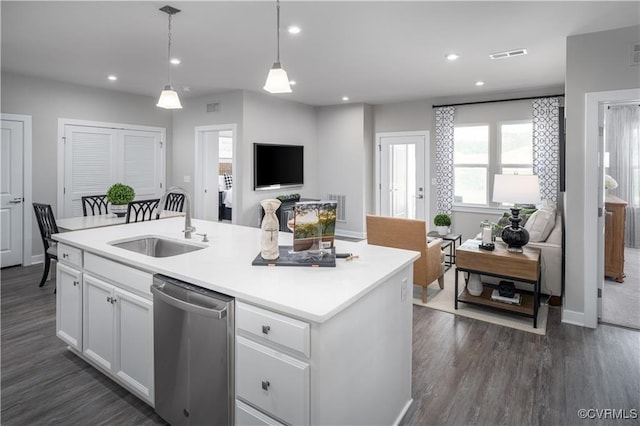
(341, 215)
(508, 54)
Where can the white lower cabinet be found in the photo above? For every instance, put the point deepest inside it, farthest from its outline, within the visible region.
(272, 371)
(69, 305)
(118, 334)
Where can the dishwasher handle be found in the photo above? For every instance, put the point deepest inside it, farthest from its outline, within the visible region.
(189, 306)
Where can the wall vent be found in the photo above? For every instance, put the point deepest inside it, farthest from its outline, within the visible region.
(508, 54)
(341, 213)
(213, 107)
(635, 54)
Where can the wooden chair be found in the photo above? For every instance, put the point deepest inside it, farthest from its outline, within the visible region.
(141, 210)
(174, 203)
(97, 204)
(47, 224)
(409, 234)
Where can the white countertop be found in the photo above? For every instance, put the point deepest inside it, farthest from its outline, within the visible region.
(100, 220)
(313, 294)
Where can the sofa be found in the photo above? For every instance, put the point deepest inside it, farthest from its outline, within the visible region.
(551, 262)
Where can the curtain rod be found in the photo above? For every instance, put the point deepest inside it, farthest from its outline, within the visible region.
(500, 100)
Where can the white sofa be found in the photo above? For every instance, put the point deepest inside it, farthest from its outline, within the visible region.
(551, 257)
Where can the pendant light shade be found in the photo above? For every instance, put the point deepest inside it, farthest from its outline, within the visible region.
(169, 97)
(277, 79)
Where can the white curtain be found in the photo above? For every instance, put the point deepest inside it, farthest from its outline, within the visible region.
(444, 159)
(623, 143)
(546, 143)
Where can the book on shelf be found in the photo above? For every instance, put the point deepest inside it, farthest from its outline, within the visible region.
(314, 225)
(515, 300)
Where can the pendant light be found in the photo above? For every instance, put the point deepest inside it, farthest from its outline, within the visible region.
(169, 97)
(277, 80)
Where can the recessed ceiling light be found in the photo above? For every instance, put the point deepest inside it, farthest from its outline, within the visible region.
(112, 77)
(452, 56)
(186, 89)
(345, 98)
(292, 82)
(175, 61)
(479, 83)
(294, 29)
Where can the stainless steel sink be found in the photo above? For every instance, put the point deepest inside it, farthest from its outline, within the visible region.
(156, 246)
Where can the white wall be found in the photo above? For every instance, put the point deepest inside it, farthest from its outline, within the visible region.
(271, 119)
(344, 146)
(194, 113)
(47, 101)
(595, 62)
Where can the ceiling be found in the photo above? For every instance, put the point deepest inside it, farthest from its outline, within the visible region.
(373, 52)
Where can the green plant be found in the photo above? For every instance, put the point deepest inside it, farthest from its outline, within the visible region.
(442, 219)
(120, 193)
(289, 197)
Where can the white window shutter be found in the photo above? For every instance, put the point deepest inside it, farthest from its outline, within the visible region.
(142, 162)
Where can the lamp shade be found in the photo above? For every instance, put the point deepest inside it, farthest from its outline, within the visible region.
(277, 80)
(169, 99)
(516, 189)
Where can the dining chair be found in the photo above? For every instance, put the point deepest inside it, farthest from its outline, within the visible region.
(141, 210)
(410, 234)
(174, 203)
(47, 224)
(97, 204)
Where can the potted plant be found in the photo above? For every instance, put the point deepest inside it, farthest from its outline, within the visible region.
(119, 195)
(442, 222)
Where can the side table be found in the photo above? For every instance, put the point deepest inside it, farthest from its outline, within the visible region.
(522, 267)
(450, 258)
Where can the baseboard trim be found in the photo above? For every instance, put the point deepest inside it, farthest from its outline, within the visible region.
(572, 317)
(350, 234)
(38, 258)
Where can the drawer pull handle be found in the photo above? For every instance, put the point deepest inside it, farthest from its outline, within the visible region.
(65, 255)
(265, 385)
(266, 329)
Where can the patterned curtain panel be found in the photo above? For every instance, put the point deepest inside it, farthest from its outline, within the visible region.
(546, 141)
(444, 159)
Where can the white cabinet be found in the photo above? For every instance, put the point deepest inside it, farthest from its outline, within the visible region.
(118, 334)
(69, 305)
(272, 368)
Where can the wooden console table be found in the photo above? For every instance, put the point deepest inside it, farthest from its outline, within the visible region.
(522, 267)
(614, 223)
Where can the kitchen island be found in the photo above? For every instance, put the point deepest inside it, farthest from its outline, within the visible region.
(347, 329)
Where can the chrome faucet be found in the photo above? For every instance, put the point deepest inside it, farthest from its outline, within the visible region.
(188, 229)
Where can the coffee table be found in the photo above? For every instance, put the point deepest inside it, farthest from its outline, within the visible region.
(521, 267)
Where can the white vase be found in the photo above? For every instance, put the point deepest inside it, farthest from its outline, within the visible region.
(442, 230)
(118, 209)
(474, 285)
(270, 227)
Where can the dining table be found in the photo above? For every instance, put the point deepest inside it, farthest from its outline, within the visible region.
(97, 221)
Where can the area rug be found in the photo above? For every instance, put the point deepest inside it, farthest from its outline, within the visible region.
(443, 300)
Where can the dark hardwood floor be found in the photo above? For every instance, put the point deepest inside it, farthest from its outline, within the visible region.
(464, 371)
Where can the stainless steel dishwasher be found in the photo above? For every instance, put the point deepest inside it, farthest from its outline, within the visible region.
(193, 353)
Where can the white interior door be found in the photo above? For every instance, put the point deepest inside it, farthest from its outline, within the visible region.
(402, 176)
(209, 192)
(11, 193)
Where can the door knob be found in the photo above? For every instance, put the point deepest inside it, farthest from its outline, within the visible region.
(420, 196)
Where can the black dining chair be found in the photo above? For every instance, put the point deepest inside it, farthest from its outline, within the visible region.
(96, 204)
(174, 203)
(47, 224)
(141, 210)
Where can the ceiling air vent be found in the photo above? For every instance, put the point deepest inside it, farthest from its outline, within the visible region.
(508, 54)
(213, 107)
(635, 54)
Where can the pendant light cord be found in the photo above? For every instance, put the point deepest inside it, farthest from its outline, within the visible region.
(169, 53)
(278, 29)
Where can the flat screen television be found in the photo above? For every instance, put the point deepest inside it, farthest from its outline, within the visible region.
(277, 166)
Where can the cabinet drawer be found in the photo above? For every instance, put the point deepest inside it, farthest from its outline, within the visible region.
(121, 275)
(69, 255)
(248, 416)
(273, 327)
(272, 381)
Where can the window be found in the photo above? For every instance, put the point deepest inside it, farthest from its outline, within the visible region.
(477, 157)
(471, 164)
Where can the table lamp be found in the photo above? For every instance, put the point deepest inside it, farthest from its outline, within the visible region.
(516, 189)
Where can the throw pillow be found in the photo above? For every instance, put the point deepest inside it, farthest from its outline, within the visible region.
(541, 223)
(228, 181)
